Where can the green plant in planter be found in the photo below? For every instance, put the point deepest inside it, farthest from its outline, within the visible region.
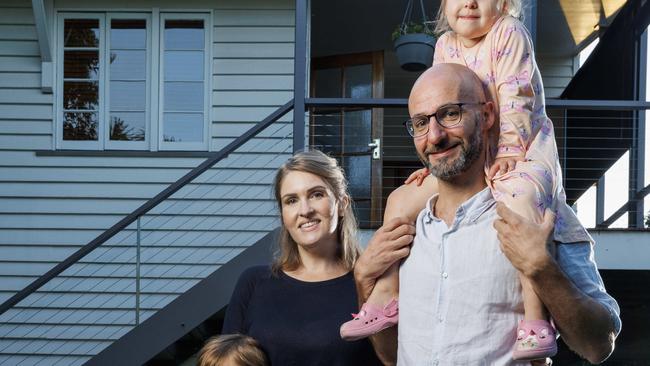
(414, 45)
(412, 28)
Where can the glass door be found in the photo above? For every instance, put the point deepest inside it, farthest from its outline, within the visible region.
(352, 135)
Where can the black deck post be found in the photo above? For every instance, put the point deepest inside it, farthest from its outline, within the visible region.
(637, 149)
(299, 75)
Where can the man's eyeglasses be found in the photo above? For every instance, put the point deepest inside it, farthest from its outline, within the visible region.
(447, 116)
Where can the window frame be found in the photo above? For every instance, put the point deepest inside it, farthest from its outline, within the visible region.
(154, 99)
(83, 144)
(207, 41)
(148, 121)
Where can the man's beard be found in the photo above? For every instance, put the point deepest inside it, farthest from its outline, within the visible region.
(446, 168)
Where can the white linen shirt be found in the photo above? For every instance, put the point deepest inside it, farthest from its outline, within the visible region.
(460, 298)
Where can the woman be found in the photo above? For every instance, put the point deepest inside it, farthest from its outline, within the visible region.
(294, 308)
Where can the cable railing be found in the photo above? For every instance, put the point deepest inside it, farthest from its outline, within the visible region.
(591, 136)
(146, 260)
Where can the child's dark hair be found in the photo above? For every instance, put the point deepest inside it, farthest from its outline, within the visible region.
(231, 350)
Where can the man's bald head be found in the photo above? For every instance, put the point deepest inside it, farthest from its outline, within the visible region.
(449, 152)
(450, 79)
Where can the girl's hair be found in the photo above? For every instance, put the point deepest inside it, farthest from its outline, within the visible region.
(231, 350)
(325, 167)
(514, 8)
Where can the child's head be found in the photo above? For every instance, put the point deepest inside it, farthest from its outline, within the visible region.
(231, 350)
(451, 13)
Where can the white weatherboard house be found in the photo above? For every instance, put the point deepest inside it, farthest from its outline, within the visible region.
(133, 190)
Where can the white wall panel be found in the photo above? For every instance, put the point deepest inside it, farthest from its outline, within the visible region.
(51, 204)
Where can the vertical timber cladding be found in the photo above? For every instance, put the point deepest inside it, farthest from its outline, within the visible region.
(52, 202)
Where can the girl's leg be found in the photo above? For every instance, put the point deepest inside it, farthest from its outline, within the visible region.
(534, 307)
(380, 310)
(535, 334)
(526, 191)
(386, 288)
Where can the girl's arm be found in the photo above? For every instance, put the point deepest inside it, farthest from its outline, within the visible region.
(517, 84)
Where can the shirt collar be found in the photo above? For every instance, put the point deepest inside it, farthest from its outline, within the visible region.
(473, 208)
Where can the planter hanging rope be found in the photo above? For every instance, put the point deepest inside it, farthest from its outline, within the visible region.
(409, 12)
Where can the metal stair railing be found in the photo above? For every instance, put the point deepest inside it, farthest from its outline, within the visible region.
(99, 277)
(180, 328)
(145, 207)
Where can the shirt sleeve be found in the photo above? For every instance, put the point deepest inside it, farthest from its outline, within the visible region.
(577, 261)
(512, 55)
(235, 318)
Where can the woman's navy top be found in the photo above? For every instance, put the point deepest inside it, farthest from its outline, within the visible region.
(297, 322)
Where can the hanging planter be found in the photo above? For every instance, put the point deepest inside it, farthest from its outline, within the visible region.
(413, 41)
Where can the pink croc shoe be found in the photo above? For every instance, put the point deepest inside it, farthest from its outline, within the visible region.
(370, 320)
(535, 339)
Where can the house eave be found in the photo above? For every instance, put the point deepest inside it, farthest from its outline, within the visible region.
(47, 67)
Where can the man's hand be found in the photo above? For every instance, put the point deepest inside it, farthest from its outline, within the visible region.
(390, 243)
(503, 165)
(524, 242)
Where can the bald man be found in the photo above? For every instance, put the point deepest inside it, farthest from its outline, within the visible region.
(460, 294)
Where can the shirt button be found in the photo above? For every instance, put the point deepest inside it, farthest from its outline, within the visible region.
(444, 275)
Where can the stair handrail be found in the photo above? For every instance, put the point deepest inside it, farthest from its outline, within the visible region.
(146, 207)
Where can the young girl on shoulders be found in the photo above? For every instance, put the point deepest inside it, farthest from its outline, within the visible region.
(522, 165)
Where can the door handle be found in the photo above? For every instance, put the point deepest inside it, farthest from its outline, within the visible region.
(376, 148)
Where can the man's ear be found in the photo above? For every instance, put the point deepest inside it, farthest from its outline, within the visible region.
(489, 112)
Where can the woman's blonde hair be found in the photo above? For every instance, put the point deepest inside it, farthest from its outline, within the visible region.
(232, 350)
(325, 167)
(514, 8)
